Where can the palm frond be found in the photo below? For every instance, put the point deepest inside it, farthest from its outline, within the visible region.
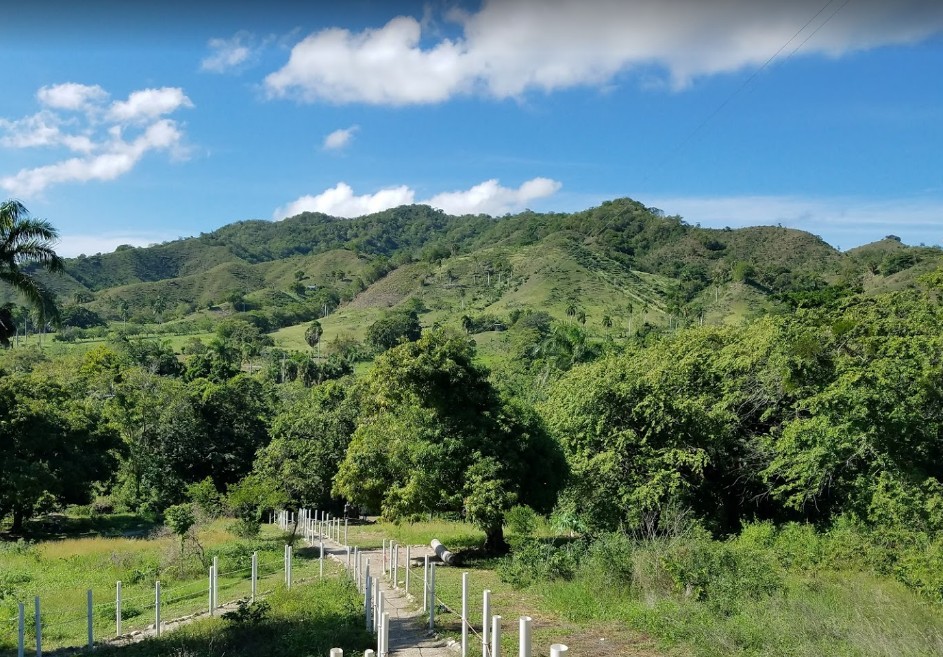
(35, 293)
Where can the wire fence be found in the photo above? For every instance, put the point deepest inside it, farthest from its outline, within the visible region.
(67, 618)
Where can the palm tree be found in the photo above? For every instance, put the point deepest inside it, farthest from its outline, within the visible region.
(25, 241)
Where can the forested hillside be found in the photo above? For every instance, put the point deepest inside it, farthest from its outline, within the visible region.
(727, 418)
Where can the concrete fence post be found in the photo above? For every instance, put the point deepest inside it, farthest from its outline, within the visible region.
(118, 608)
(215, 582)
(431, 596)
(425, 582)
(558, 650)
(386, 634)
(376, 604)
(21, 630)
(495, 636)
(408, 562)
(210, 595)
(485, 625)
(38, 624)
(368, 600)
(157, 608)
(464, 614)
(255, 575)
(396, 565)
(524, 649)
(88, 606)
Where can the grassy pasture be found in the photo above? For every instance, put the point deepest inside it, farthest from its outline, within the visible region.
(61, 571)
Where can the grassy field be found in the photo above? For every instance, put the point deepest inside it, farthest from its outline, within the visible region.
(61, 571)
(601, 608)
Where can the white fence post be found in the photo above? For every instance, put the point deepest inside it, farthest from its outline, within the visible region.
(215, 583)
(345, 532)
(337, 652)
(485, 625)
(118, 608)
(255, 574)
(157, 607)
(464, 614)
(376, 603)
(524, 641)
(382, 617)
(369, 653)
(408, 561)
(425, 582)
(368, 599)
(432, 596)
(38, 622)
(558, 650)
(386, 634)
(91, 637)
(21, 631)
(348, 556)
(321, 559)
(210, 586)
(396, 565)
(495, 636)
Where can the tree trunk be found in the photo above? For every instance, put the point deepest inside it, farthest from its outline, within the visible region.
(494, 540)
(17, 527)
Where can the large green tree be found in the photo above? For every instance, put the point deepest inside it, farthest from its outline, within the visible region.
(435, 436)
(25, 241)
(53, 448)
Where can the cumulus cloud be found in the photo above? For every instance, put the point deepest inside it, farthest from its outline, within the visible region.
(229, 54)
(117, 158)
(340, 201)
(109, 141)
(149, 104)
(510, 47)
(339, 138)
(488, 197)
(71, 96)
(491, 198)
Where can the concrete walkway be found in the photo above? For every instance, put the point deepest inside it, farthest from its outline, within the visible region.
(409, 632)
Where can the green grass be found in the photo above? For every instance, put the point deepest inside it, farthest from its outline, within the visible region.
(307, 620)
(453, 535)
(61, 571)
(813, 613)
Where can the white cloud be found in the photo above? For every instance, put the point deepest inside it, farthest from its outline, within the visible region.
(108, 143)
(491, 198)
(841, 221)
(229, 54)
(339, 138)
(488, 197)
(148, 104)
(71, 96)
(510, 47)
(340, 201)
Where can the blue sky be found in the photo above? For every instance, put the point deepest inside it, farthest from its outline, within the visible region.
(142, 122)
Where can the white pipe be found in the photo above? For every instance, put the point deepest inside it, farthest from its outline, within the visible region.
(525, 643)
(485, 625)
(558, 650)
(464, 614)
(495, 636)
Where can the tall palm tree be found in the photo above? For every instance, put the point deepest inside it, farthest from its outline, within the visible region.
(26, 241)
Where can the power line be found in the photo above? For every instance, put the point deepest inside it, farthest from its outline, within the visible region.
(700, 126)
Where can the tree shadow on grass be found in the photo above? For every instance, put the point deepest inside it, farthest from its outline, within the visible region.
(55, 526)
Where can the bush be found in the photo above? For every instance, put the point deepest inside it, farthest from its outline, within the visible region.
(521, 520)
(206, 498)
(536, 560)
(723, 574)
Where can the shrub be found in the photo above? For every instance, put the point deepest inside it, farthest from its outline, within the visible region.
(521, 520)
(536, 560)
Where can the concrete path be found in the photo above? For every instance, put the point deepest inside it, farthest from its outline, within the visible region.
(409, 632)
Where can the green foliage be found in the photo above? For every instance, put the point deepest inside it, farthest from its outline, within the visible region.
(180, 519)
(521, 520)
(393, 328)
(248, 613)
(536, 560)
(434, 435)
(206, 497)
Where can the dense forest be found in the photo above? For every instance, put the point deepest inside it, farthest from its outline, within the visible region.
(615, 369)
